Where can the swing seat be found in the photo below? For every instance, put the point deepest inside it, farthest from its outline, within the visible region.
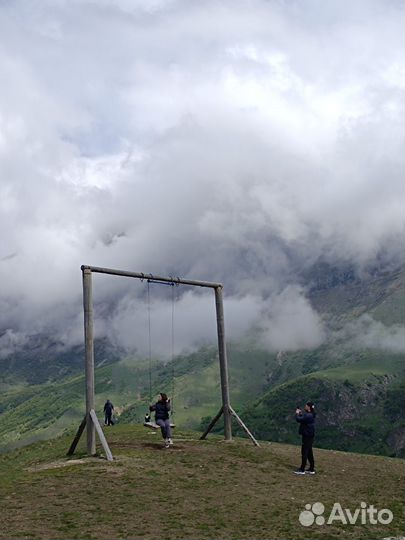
(153, 425)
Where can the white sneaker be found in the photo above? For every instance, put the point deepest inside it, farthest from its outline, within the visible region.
(170, 442)
(167, 444)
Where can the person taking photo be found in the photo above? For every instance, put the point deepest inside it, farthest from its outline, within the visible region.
(306, 420)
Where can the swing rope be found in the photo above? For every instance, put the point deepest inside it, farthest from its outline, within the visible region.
(150, 347)
(148, 422)
(172, 284)
(172, 351)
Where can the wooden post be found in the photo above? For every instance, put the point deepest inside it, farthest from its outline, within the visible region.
(223, 363)
(212, 423)
(89, 359)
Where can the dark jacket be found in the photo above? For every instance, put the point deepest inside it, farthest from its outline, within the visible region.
(161, 409)
(307, 424)
(108, 407)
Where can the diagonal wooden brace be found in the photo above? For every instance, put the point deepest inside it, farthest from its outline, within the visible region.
(243, 426)
(212, 423)
(96, 424)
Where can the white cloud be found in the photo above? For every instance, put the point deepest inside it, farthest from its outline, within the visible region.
(227, 140)
(366, 332)
(284, 321)
(10, 342)
(291, 323)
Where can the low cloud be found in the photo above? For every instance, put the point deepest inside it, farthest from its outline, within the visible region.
(140, 135)
(290, 323)
(282, 322)
(11, 342)
(366, 332)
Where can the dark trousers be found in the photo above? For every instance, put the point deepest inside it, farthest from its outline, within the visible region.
(306, 453)
(108, 418)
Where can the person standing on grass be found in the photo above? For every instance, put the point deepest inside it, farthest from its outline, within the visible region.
(306, 421)
(108, 411)
(162, 408)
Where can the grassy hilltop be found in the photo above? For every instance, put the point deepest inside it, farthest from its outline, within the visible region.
(197, 489)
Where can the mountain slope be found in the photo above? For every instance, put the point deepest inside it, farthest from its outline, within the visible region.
(360, 408)
(197, 489)
(263, 383)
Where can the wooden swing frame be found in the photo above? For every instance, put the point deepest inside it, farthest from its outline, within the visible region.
(90, 421)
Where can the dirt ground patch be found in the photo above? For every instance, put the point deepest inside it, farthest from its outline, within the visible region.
(60, 463)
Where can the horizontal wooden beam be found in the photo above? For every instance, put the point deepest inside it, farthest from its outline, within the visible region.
(142, 276)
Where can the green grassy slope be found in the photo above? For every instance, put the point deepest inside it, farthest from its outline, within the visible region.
(366, 383)
(363, 382)
(197, 386)
(34, 412)
(41, 411)
(360, 409)
(197, 489)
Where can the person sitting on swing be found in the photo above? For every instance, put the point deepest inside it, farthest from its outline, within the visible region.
(162, 408)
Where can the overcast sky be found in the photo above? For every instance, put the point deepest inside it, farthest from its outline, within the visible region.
(223, 140)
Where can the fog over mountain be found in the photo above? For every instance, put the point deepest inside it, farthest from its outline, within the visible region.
(234, 140)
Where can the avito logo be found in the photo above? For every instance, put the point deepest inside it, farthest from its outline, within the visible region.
(314, 513)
